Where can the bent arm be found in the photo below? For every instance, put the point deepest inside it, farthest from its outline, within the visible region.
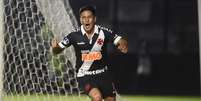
(56, 49)
(121, 43)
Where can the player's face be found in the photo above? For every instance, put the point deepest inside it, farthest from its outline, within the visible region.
(88, 20)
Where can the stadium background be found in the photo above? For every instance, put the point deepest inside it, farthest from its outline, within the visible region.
(163, 56)
(162, 36)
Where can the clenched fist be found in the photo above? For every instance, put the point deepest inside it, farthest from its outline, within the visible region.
(123, 45)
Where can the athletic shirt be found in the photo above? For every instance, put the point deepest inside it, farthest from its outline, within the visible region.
(91, 54)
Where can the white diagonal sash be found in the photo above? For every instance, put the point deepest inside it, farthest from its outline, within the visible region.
(96, 48)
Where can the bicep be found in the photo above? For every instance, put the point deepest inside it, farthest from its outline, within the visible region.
(113, 38)
(66, 41)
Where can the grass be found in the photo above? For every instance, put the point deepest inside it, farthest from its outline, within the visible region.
(85, 98)
(44, 98)
(161, 98)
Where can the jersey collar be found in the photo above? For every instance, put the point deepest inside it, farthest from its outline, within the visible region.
(84, 32)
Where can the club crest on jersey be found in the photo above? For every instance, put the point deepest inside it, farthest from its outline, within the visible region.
(100, 41)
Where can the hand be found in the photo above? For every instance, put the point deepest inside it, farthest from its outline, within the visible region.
(54, 43)
(123, 45)
(55, 47)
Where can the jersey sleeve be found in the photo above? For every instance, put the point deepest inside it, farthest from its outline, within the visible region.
(112, 37)
(66, 42)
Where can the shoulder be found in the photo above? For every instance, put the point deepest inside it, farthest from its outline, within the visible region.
(75, 32)
(105, 29)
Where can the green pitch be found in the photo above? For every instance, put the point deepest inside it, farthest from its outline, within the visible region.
(85, 98)
(161, 98)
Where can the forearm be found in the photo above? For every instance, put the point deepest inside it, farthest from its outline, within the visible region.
(57, 50)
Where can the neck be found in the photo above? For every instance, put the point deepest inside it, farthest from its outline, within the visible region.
(90, 32)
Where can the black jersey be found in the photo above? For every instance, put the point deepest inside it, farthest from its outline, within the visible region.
(91, 54)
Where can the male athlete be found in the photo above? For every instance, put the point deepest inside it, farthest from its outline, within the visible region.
(90, 43)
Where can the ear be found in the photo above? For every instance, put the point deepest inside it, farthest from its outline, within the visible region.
(95, 19)
(80, 21)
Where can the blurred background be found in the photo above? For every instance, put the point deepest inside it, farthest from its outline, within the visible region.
(163, 38)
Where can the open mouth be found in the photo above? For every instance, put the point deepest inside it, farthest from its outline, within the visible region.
(87, 25)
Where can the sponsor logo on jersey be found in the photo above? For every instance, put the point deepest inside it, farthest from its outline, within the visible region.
(85, 51)
(91, 56)
(80, 43)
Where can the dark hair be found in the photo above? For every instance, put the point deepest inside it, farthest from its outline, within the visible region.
(88, 7)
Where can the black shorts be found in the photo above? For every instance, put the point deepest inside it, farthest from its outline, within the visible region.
(101, 81)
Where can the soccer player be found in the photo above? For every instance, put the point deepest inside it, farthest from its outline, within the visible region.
(90, 43)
